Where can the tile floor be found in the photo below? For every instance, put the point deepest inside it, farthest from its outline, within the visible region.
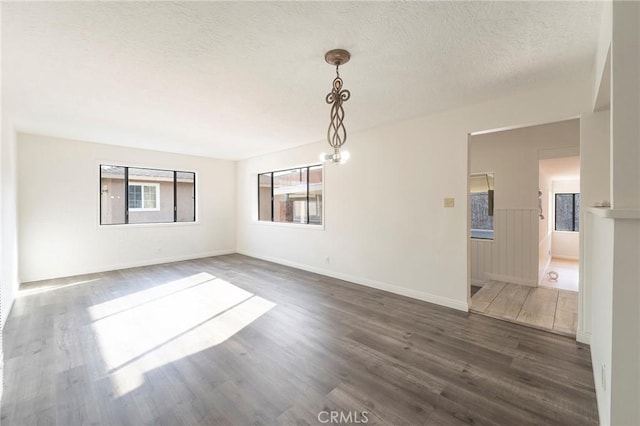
(567, 271)
(549, 309)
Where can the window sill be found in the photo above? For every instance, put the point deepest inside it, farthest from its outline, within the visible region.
(482, 234)
(147, 225)
(289, 225)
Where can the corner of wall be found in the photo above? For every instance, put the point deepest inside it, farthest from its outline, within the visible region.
(602, 63)
(8, 220)
(583, 337)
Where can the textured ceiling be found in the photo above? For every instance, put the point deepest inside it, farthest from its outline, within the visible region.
(238, 79)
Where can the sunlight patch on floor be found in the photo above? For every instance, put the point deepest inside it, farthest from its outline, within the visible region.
(134, 300)
(48, 288)
(146, 330)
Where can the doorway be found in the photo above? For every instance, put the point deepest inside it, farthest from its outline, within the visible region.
(559, 196)
(559, 181)
(513, 273)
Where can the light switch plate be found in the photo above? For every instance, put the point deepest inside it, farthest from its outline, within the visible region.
(449, 202)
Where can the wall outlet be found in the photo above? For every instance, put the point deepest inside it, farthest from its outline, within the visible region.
(449, 202)
(603, 375)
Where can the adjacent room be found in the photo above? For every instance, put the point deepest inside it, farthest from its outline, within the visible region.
(524, 225)
(560, 234)
(391, 213)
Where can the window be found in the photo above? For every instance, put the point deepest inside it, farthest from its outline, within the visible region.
(568, 212)
(481, 201)
(291, 196)
(137, 195)
(144, 196)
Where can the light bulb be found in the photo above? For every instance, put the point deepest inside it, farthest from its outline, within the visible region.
(344, 156)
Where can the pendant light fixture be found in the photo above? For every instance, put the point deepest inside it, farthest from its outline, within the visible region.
(337, 133)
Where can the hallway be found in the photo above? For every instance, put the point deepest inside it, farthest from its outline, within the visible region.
(567, 271)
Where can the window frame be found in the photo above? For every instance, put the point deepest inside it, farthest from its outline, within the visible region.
(126, 222)
(270, 220)
(142, 185)
(573, 212)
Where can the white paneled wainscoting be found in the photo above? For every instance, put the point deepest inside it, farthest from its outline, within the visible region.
(512, 256)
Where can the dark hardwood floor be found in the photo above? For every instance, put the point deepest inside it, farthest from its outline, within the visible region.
(238, 341)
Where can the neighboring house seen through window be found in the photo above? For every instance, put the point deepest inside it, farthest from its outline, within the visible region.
(131, 195)
(291, 196)
(144, 196)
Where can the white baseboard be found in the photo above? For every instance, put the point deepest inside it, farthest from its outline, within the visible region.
(556, 256)
(125, 265)
(513, 280)
(541, 273)
(403, 291)
(583, 337)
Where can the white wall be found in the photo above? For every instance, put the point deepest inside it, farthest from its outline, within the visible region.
(612, 246)
(566, 186)
(58, 204)
(565, 245)
(625, 195)
(625, 95)
(385, 223)
(625, 356)
(513, 156)
(544, 225)
(594, 187)
(512, 255)
(599, 266)
(481, 261)
(2, 142)
(8, 200)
